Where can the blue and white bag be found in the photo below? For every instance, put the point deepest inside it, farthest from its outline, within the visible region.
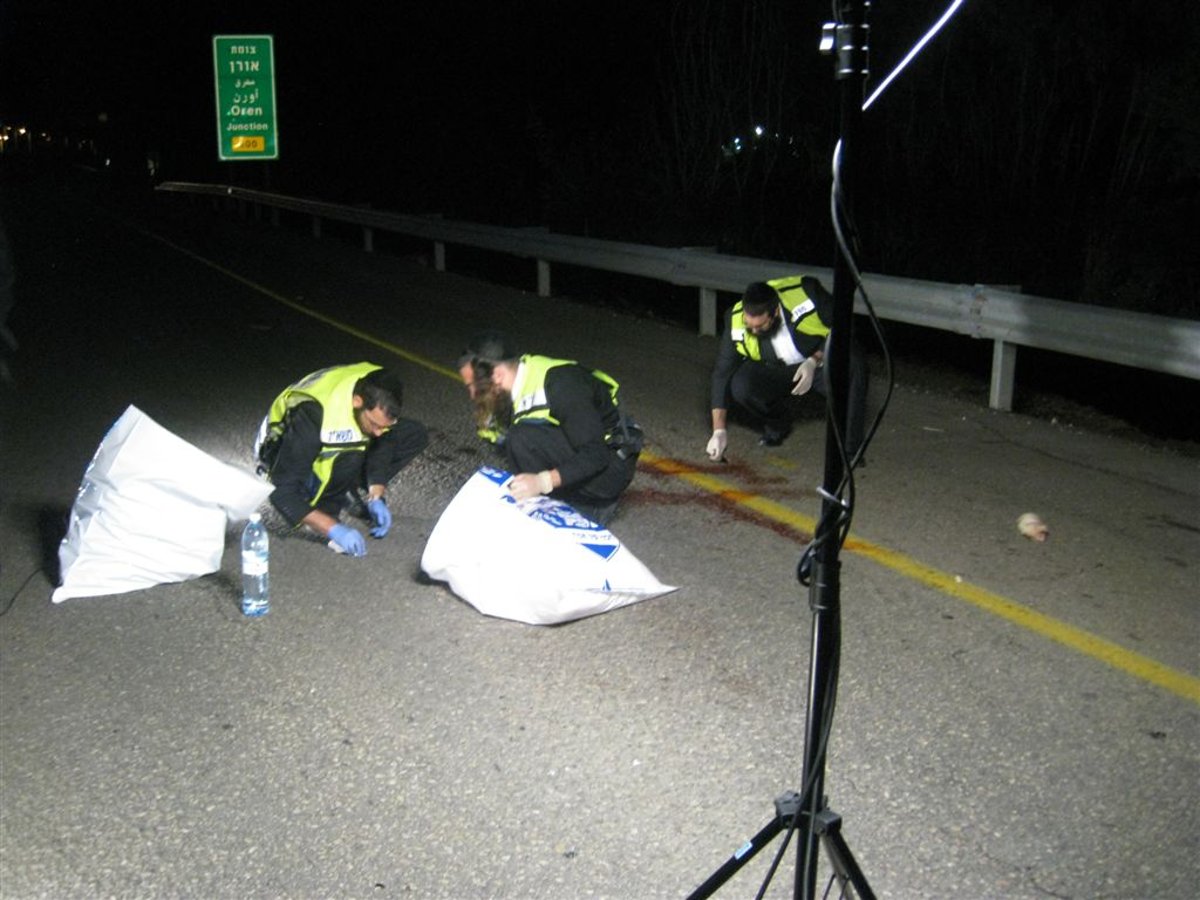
(538, 561)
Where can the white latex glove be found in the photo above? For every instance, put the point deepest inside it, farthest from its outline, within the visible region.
(717, 444)
(803, 379)
(522, 487)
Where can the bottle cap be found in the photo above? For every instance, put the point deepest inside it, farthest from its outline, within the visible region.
(256, 517)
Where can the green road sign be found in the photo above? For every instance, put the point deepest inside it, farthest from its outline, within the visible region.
(244, 66)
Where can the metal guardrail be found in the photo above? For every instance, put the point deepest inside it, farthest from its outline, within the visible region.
(1008, 319)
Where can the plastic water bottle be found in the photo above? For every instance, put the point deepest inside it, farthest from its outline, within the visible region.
(256, 557)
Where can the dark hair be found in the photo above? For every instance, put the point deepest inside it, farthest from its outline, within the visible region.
(759, 298)
(491, 347)
(485, 350)
(381, 389)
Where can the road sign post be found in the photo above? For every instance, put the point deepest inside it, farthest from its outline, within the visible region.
(244, 69)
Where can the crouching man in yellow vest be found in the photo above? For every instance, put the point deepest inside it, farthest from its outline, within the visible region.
(773, 350)
(332, 441)
(559, 424)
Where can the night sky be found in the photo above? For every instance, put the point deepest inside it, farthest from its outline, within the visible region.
(361, 83)
(367, 84)
(1051, 145)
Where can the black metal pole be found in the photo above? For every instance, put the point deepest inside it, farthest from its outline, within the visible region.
(850, 46)
(805, 813)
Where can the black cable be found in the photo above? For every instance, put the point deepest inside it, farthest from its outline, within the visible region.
(8, 604)
(839, 214)
(838, 510)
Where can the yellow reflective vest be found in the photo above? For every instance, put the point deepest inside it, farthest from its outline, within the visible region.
(333, 389)
(531, 402)
(806, 325)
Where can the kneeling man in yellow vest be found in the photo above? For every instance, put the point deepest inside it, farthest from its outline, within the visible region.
(334, 440)
(772, 350)
(559, 424)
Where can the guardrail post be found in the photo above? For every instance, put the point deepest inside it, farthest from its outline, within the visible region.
(368, 239)
(708, 311)
(275, 216)
(439, 256)
(543, 275)
(1004, 369)
(316, 226)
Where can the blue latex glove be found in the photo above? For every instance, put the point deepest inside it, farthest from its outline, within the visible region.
(349, 539)
(380, 516)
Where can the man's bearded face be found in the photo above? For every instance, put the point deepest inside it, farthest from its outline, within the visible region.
(763, 324)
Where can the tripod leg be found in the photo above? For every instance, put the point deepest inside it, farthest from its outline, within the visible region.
(787, 806)
(828, 825)
(741, 856)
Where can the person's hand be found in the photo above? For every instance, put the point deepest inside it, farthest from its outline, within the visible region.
(381, 517)
(717, 444)
(522, 487)
(349, 539)
(803, 379)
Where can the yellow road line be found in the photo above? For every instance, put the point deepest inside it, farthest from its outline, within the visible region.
(1115, 655)
(319, 316)
(1105, 651)
(1089, 644)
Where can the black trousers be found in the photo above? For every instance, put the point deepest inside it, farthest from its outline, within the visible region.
(766, 393)
(390, 453)
(533, 447)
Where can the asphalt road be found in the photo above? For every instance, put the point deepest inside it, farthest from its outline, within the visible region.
(1015, 719)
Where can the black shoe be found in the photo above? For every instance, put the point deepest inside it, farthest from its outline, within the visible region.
(772, 438)
(356, 506)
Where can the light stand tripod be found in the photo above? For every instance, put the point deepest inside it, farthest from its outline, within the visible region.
(806, 812)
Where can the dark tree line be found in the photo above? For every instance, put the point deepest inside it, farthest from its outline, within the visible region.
(1051, 145)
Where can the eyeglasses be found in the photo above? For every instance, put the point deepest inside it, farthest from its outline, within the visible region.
(379, 421)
